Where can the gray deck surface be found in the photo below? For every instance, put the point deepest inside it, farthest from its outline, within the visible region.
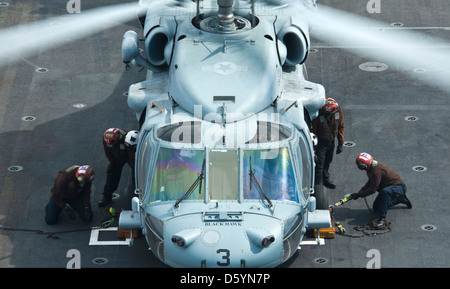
(82, 94)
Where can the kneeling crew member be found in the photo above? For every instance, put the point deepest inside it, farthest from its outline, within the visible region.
(390, 186)
(71, 191)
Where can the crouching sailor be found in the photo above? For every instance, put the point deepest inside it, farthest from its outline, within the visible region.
(71, 192)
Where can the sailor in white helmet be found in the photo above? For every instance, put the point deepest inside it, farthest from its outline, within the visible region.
(120, 148)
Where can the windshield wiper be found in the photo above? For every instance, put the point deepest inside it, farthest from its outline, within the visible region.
(258, 186)
(197, 181)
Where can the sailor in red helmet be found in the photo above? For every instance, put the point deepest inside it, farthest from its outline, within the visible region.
(390, 186)
(71, 192)
(327, 126)
(120, 148)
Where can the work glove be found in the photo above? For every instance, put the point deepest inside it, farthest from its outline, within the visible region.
(355, 196)
(87, 214)
(339, 149)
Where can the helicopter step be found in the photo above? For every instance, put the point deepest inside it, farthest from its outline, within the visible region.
(127, 234)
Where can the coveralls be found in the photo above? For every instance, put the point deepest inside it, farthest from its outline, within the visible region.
(117, 154)
(390, 186)
(327, 127)
(68, 190)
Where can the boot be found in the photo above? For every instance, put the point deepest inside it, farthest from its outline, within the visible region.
(105, 200)
(406, 202)
(381, 222)
(329, 184)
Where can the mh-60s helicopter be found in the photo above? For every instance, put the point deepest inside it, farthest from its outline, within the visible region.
(225, 160)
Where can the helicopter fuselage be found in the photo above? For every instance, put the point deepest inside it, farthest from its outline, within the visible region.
(225, 161)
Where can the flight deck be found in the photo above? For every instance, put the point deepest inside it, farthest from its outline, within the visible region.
(55, 106)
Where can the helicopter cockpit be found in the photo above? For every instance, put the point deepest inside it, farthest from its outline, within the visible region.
(261, 168)
(223, 189)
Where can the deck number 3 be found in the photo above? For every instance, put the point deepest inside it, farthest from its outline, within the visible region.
(225, 256)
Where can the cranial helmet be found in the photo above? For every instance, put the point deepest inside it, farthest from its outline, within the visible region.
(85, 173)
(111, 136)
(364, 160)
(330, 106)
(131, 138)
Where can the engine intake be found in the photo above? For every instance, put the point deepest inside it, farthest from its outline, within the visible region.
(296, 44)
(158, 45)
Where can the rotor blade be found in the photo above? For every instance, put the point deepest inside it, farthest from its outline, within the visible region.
(32, 38)
(382, 42)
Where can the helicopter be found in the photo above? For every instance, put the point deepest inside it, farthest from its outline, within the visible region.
(225, 156)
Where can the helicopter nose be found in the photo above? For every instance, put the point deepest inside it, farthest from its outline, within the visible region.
(244, 243)
(258, 237)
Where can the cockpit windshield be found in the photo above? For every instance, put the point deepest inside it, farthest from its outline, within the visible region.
(259, 170)
(274, 173)
(175, 172)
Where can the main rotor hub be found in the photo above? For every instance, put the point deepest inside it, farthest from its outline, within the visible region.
(215, 25)
(225, 21)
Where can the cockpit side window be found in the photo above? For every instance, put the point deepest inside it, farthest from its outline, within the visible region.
(143, 164)
(175, 172)
(274, 173)
(306, 168)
